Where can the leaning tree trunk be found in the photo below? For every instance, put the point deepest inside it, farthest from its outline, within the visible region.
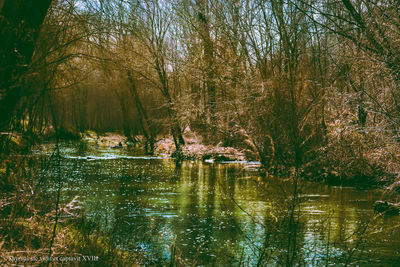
(144, 122)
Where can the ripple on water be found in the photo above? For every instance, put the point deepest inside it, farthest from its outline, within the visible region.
(139, 196)
(112, 156)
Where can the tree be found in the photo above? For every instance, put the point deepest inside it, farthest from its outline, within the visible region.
(151, 27)
(20, 22)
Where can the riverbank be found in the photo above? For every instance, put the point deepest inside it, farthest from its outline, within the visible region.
(193, 149)
(30, 240)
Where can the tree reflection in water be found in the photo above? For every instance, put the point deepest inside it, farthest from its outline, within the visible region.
(219, 214)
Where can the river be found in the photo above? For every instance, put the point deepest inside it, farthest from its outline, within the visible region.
(209, 214)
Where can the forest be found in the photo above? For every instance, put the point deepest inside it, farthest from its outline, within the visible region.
(151, 118)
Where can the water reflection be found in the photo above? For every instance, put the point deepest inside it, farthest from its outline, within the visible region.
(219, 214)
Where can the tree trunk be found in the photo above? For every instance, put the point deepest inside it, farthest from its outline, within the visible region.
(144, 122)
(20, 22)
(208, 50)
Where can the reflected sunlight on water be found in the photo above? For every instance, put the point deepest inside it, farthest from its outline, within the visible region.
(219, 213)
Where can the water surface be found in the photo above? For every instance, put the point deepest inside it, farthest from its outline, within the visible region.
(220, 214)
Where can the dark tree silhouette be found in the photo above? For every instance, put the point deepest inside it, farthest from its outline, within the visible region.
(20, 22)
